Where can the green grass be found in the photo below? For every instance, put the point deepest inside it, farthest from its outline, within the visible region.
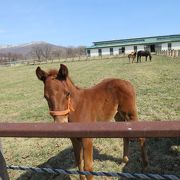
(158, 87)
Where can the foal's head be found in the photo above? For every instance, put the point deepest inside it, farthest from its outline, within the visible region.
(56, 92)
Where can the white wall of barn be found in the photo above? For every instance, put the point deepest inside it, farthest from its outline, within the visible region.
(140, 48)
(105, 51)
(175, 45)
(164, 46)
(116, 50)
(129, 49)
(94, 52)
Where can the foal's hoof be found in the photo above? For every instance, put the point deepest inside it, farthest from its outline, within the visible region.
(125, 159)
(145, 167)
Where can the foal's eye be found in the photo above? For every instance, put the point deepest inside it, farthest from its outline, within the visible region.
(68, 94)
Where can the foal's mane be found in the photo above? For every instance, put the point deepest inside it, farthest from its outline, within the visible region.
(54, 72)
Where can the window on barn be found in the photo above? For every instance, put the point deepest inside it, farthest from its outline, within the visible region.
(135, 48)
(88, 53)
(152, 48)
(158, 47)
(123, 49)
(169, 46)
(100, 52)
(111, 51)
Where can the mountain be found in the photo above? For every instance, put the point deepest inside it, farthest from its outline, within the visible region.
(26, 49)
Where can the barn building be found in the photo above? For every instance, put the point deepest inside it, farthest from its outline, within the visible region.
(126, 46)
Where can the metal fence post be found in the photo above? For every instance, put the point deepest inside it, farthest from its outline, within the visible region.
(3, 171)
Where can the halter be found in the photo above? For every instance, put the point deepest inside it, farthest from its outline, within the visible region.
(65, 112)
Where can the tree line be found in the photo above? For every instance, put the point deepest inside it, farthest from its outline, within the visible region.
(10, 57)
(44, 53)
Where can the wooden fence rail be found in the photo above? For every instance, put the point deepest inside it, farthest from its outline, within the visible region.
(98, 130)
(170, 53)
(92, 130)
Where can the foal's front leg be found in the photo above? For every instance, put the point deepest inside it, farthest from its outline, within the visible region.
(125, 150)
(143, 154)
(132, 59)
(88, 156)
(78, 152)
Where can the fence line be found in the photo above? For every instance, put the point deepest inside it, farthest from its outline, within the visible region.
(70, 59)
(171, 53)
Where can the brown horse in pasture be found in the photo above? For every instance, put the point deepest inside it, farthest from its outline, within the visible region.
(143, 53)
(132, 55)
(111, 98)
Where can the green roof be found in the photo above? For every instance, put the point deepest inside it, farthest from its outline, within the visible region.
(136, 41)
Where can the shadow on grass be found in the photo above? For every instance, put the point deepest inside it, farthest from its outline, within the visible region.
(163, 155)
(64, 160)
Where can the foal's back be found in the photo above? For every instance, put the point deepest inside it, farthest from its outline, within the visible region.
(110, 97)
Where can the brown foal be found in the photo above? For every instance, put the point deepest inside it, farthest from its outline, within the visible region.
(110, 99)
(133, 56)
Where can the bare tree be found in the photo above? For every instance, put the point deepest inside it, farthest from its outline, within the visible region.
(59, 53)
(10, 57)
(80, 51)
(37, 52)
(46, 51)
(70, 52)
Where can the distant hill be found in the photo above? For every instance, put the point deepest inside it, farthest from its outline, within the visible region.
(26, 49)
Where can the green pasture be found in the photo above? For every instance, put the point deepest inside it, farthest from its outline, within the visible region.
(157, 85)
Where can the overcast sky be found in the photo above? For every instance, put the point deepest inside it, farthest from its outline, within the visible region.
(81, 22)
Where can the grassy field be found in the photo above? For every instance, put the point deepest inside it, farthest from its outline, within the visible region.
(158, 88)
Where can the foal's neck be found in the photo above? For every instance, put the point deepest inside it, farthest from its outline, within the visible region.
(72, 87)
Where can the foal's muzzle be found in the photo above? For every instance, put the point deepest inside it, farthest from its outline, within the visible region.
(64, 112)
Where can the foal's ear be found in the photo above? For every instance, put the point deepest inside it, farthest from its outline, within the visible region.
(41, 75)
(63, 72)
